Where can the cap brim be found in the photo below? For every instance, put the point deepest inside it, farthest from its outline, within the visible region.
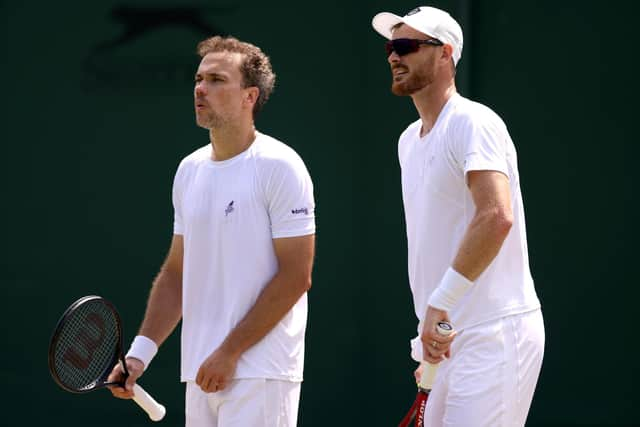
(384, 21)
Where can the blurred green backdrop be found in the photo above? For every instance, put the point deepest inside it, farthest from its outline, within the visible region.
(97, 113)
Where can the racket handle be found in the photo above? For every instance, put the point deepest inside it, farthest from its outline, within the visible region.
(429, 370)
(155, 410)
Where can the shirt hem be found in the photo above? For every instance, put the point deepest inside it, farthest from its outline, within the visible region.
(296, 233)
(290, 378)
(499, 315)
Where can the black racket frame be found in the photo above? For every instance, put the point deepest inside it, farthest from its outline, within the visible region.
(118, 355)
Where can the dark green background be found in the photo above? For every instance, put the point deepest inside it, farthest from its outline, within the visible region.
(93, 130)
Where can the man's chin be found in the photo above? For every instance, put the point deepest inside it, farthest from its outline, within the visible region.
(205, 123)
(401, 89)
(202, 125)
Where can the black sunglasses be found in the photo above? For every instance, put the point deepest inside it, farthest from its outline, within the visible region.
(406, 46)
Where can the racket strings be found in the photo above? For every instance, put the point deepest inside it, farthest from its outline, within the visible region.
(87, 345)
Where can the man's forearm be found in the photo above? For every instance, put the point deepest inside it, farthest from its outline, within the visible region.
(164, 307)
(273, 303)
(482, 242)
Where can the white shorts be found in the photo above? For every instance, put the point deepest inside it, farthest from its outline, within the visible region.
(245, 402)
(491, 376)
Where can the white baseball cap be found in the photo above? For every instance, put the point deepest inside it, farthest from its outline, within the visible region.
(429, 20)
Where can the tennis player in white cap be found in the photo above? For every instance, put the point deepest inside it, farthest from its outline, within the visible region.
(467, 246)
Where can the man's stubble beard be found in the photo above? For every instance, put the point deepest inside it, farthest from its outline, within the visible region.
(422, 75)
(412, 84)
(210, 121)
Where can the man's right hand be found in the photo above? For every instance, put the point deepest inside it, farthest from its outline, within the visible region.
(435, 347)
(135, 368)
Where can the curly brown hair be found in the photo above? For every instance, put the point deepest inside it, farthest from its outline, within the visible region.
(255, 67)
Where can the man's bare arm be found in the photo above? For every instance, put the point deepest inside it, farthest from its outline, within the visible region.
(490, 225)
(481, 243)
(293, 279)
(164, 310)
(164, 307)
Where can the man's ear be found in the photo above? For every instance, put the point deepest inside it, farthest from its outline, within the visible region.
(447, 52)
(251, 95)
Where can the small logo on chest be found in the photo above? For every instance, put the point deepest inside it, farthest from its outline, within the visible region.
(228, 209)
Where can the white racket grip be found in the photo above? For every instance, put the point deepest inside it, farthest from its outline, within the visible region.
(428, 370)
(155, 410)
(428, 375)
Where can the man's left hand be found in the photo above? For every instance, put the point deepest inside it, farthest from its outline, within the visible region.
(216, 371)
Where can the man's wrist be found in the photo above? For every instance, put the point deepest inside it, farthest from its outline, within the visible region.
(451, 289)
(144, 349)
(230, 349)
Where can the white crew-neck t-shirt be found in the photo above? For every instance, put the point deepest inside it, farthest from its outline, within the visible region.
(467, 136)
(228, 213)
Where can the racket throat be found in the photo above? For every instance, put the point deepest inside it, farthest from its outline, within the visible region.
(417, 411)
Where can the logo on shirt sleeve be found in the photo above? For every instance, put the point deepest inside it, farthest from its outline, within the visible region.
(300, 211)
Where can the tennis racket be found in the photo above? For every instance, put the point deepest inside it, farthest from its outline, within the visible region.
(416, 412)
(86, 345)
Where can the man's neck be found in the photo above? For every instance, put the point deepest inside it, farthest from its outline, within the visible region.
(229, 141)
(430, 101)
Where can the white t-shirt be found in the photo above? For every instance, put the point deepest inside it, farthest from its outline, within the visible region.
(228, 212)
(467, 136)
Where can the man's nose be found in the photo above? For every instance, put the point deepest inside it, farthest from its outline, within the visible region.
(393, 57)
(199, 89)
